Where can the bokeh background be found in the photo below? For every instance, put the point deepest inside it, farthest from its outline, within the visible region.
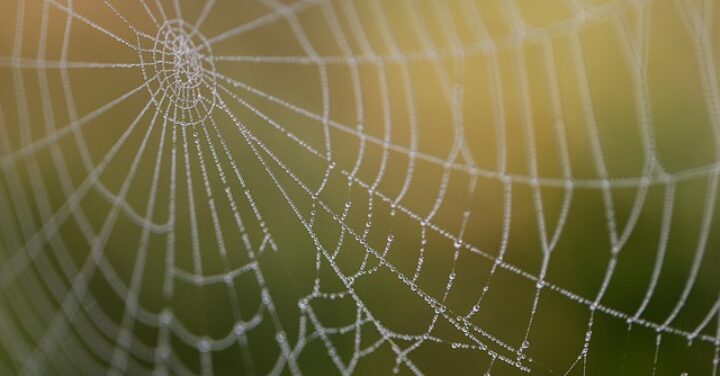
(439, 187)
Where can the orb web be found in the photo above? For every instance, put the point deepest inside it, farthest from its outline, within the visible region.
(181, 62)
(343, 186)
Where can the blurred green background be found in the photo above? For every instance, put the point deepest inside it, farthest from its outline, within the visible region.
(368, 173)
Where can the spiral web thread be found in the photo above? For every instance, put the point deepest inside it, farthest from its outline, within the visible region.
(51, 321)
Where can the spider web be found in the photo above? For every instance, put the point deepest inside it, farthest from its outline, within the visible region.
(345, 186)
